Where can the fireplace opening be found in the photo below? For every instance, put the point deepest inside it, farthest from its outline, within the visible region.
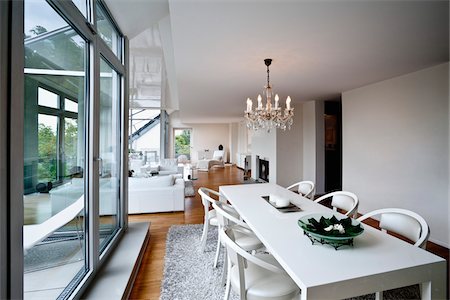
(264, 170)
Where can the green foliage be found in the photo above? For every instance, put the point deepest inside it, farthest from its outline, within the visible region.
(47, 165)
(70, 146)
(47, 150)
(183, 143)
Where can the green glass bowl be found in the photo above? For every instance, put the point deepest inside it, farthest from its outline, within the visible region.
(303, 222)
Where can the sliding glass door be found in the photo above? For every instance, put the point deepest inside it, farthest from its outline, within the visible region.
(73, 135)
(56, 72)
(109, 148)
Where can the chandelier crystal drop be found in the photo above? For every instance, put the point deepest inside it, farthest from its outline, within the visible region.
(269, 116)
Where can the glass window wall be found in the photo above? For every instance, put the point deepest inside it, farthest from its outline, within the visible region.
(54, 154)
(109, 152)
(107, 30)
(82, 6)
(59, 242)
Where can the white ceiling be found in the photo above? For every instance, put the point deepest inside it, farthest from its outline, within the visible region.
(319, 48)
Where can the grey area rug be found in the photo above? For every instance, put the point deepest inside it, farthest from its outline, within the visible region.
(189, 272)
(189, 188)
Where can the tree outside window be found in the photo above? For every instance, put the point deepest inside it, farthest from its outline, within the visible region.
(183, 142)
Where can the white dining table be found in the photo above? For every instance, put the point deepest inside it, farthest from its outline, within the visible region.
(376, 262)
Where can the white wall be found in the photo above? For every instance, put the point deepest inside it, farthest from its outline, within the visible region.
(313, 144)
(233, 141)
(309, 141)
(264, 144)
(209, 136)
(290, 152)
(283, 149)
(203, 136)
(150, 140)
(396, 146)
(244, 138)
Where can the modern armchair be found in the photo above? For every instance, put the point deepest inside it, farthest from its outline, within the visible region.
(218, 159)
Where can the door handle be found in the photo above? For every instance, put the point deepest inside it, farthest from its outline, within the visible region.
(100, 165)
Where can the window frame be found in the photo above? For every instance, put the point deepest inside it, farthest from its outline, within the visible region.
(11, 236)
(5, 24)
(61, 113)
(13, 273)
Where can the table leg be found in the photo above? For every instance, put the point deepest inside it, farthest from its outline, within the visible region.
(435, 288)
(425, 290)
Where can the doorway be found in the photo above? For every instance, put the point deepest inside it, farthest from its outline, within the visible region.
(182, 144)
(333, 145)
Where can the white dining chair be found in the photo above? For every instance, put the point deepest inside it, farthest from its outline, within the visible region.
(305, 188)
(255, 276)
(402, 222)
(244, 236)
(210, 217)
(343, 200)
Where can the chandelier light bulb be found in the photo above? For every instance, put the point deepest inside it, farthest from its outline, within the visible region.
(249, 104)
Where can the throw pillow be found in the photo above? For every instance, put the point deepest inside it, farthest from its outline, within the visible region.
(217, 158)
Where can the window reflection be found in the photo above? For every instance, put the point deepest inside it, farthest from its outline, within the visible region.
(107, 30)
(109, 152)
(54, 155)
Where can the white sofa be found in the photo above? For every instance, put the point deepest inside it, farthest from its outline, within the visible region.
(155, 194)
(166, 166)
(145, 195)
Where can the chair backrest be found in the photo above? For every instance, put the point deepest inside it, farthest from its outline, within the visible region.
(226, 215)
(207, 200)
(305, 188)
(404, 222)
(238, 256)
(343, 200)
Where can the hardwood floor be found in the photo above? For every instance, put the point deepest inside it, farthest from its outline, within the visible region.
(148, 280)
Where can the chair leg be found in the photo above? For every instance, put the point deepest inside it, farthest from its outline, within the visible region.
(204, 235)
(225, 267)
(219, 245)
(379, 295)
(228, 284)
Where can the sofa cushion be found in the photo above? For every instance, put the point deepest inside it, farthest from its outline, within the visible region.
(155, 181)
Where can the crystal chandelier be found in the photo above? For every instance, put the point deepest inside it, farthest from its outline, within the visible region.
(270, 116)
